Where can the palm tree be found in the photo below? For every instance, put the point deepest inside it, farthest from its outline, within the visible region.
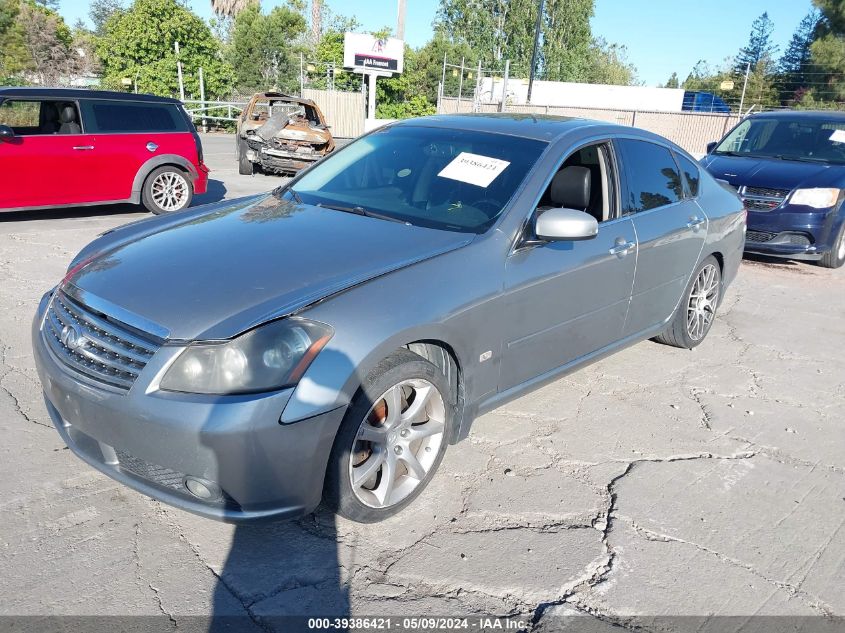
(230, 8)
(316, 20)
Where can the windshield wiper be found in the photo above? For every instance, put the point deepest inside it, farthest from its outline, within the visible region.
(803, 159)
(358, 210)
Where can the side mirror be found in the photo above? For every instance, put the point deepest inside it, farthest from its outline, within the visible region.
(711, 146)
(6, 133)
(555, 225)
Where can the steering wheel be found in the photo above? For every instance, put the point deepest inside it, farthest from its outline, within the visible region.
(489, 206)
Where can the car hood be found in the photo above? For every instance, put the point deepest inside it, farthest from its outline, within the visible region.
(220, 273)
(767, 172)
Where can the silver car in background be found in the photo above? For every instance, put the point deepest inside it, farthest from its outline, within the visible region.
(248, 359)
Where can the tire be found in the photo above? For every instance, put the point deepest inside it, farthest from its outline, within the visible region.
(682, 333)
(245, 167)
(835, 257)
(166, 190)
(363, 496)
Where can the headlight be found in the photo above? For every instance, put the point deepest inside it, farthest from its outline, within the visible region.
(818, 198)
(264, 359)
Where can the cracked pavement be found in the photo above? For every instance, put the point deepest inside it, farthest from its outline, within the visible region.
(656, 482)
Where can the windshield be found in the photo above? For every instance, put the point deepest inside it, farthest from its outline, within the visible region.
(456, 180)
(816, 140)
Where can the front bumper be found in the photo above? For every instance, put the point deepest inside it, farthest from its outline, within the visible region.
(792, 232)
(152, 441)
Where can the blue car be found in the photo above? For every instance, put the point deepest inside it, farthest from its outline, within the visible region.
(789, 169)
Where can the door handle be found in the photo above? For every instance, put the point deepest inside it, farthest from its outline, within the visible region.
(83, 147)
(695, 222)
(622, 247)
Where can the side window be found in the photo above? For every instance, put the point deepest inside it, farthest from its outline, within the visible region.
(584, 182)
(22, 116)
(653, 176)
(691, 174)
(117, 117)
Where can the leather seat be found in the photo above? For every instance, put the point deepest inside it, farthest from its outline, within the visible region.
(69, 124)
(571, 188)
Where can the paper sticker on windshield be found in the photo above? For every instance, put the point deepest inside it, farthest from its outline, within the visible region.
(475, 169)
(838, 136)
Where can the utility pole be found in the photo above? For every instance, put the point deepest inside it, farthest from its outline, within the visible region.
(400, 21)
(537, 28)
(744, 86)
(179, 73)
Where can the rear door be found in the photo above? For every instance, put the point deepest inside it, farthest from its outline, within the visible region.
(41, 165)
(128, 134)
(670, 226)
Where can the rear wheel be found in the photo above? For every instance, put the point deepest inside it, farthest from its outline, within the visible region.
(694, 316)
(245, 167)
(167, 189)
(391, 440)
(835, 257)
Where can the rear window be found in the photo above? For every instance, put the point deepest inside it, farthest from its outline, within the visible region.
(114, 116)
(691, 174)
(653, 177)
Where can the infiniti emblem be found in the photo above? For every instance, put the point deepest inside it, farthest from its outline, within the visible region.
(72, 338)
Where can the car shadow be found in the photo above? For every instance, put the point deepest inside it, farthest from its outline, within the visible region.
(772, 261)
(70, 212)
(278, 575)
(215, 192)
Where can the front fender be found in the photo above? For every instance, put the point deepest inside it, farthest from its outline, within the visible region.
(340, 369)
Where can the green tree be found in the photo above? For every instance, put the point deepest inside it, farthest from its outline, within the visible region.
(14, 57)
(567, 47)
(264, 50)
(759, 47)
(399, 97)
(607, 63)
(673, 81)
(795, 65)
(139, 44)
(101, 10)
(494, 29)
(427, 69)
(828, 51)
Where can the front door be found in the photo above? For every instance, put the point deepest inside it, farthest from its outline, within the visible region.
(566, 299)
(44, 163)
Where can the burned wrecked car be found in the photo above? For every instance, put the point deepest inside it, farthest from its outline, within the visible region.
(281, 134)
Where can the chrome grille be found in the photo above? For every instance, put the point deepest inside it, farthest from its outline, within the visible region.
(762, 198)
(93, 345)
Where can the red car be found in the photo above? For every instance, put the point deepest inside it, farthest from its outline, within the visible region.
(64, 147)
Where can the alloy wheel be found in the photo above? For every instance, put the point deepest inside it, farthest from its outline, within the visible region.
(397, 443)
(701, 307)
(170, 191)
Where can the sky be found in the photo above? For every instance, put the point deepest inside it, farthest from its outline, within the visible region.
(662, 36)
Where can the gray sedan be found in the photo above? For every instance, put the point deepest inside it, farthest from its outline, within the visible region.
(326, 342)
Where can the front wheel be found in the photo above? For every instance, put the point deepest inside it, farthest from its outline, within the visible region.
(245, 167)
(835, 257)
(391, 440)
(167, 189)
(694, 316)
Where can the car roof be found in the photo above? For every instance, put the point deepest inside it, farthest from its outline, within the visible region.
(541, 127)
(801, 114)
(79, 93)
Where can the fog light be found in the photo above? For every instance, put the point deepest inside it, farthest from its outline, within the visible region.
(202, 489)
